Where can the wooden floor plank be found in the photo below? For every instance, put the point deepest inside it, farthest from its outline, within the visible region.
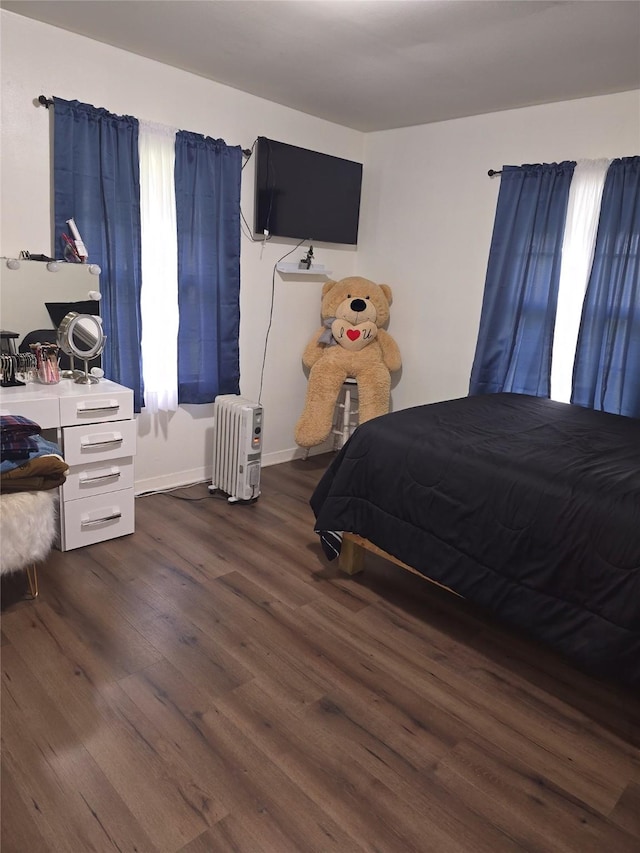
(553, 747)
(230, 835)
(518, 799)
(563, 736)
(21, 831)
(231, 768)
(64, 796)
(162, 795)
(245, 634)
(395, 813)
(626, 813)
(210, 683)
(125, 747)
(353, 803)
(78, 779)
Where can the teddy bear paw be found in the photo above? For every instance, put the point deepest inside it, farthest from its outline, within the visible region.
(309, 434)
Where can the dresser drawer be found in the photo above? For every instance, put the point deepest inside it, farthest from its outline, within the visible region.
(43, 411)
(98, 478)
(97, 518)
(96, 407)
(99, 442)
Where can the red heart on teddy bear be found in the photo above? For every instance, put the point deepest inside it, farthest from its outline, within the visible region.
(353, 334)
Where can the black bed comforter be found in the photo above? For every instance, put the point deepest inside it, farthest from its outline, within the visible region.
(528, 507)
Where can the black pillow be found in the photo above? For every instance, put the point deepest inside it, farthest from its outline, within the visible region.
(59, 310)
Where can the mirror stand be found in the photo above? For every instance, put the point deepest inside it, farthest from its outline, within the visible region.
(72, 372)
(81, 336)
(85, 378)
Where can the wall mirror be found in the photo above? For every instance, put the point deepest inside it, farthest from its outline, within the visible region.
(81, 336)
(28, 287)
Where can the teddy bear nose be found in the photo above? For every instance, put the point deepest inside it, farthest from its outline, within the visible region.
(358, 305)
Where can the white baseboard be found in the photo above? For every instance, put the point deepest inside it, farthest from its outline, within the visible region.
(174, 480)
(177, 479)
(294, 453)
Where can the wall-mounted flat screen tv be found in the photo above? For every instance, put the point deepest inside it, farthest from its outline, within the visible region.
(305, 194)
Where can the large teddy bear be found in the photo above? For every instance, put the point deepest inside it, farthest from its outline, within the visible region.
(350, 343)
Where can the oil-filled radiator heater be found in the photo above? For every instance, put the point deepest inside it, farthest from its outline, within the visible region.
(237, 447)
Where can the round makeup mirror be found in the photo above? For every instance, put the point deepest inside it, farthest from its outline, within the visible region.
(81, 336)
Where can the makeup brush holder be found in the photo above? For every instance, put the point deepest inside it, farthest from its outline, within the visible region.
(47, 369)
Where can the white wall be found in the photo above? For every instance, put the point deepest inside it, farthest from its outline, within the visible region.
(38, 59)
(428, 209)
(427, 215)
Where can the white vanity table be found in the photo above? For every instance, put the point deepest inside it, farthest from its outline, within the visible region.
(95, 427)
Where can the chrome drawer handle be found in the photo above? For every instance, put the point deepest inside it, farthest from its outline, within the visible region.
(85, 479)
(113, 517)
(101, 443)
(113, 407)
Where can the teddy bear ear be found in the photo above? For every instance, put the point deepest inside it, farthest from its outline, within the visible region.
(326, 287)
(387, 292)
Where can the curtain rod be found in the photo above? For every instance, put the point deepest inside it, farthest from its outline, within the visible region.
(48, 102)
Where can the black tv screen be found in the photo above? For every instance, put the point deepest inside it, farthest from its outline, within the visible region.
(305, 194)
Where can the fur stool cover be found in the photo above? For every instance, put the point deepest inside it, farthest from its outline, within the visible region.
(28, 528)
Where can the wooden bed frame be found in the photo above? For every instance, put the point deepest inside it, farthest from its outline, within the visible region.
(351, 560)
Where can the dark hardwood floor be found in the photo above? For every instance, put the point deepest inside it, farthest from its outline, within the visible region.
(212, 684)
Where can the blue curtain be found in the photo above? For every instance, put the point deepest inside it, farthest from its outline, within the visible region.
(207, 177)
(96, 182)
(606, 372)
(513, 351)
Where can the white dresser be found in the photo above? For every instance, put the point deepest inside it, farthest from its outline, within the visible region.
(95, 427)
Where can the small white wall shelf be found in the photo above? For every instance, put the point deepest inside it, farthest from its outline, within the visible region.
(296, 269)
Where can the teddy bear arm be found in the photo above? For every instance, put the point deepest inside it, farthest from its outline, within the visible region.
(313, 350)
(390, 352)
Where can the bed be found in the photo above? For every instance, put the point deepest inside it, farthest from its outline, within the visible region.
(527, 507)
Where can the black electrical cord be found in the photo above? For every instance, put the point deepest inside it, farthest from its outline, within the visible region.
(248, 153)
(248, 233)
(273, 290)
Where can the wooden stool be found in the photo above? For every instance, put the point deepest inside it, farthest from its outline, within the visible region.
(346, 413)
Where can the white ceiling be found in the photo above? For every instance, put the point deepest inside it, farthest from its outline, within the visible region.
(376, 64)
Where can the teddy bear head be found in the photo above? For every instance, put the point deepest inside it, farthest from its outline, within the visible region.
(356, 300)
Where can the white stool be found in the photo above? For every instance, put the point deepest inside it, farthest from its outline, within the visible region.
(28, 529)
(346, 413)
